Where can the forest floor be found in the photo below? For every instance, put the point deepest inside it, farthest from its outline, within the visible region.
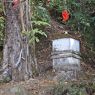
(29, 87)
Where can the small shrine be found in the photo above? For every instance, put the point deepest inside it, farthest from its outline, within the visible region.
(65, 57)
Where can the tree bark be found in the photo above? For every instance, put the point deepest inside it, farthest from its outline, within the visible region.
(17, 60)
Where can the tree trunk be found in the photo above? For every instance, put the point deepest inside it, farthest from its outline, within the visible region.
(17, 62)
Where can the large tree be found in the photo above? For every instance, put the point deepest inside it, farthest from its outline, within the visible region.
(17, 60)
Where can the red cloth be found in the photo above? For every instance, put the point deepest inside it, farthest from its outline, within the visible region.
(48, 1)
(15, 3)
(65, 15)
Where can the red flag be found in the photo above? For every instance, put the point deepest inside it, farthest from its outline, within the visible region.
(65, 15)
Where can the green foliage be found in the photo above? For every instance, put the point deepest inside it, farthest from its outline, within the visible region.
(32, 35)
(2, 23)
(40, 18)
(73, 88)
(82, 19)
(77, 90)
(39, 12)
(40, 23)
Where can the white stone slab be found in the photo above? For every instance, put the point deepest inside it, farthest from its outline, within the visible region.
(66, 44)
(60, 61)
